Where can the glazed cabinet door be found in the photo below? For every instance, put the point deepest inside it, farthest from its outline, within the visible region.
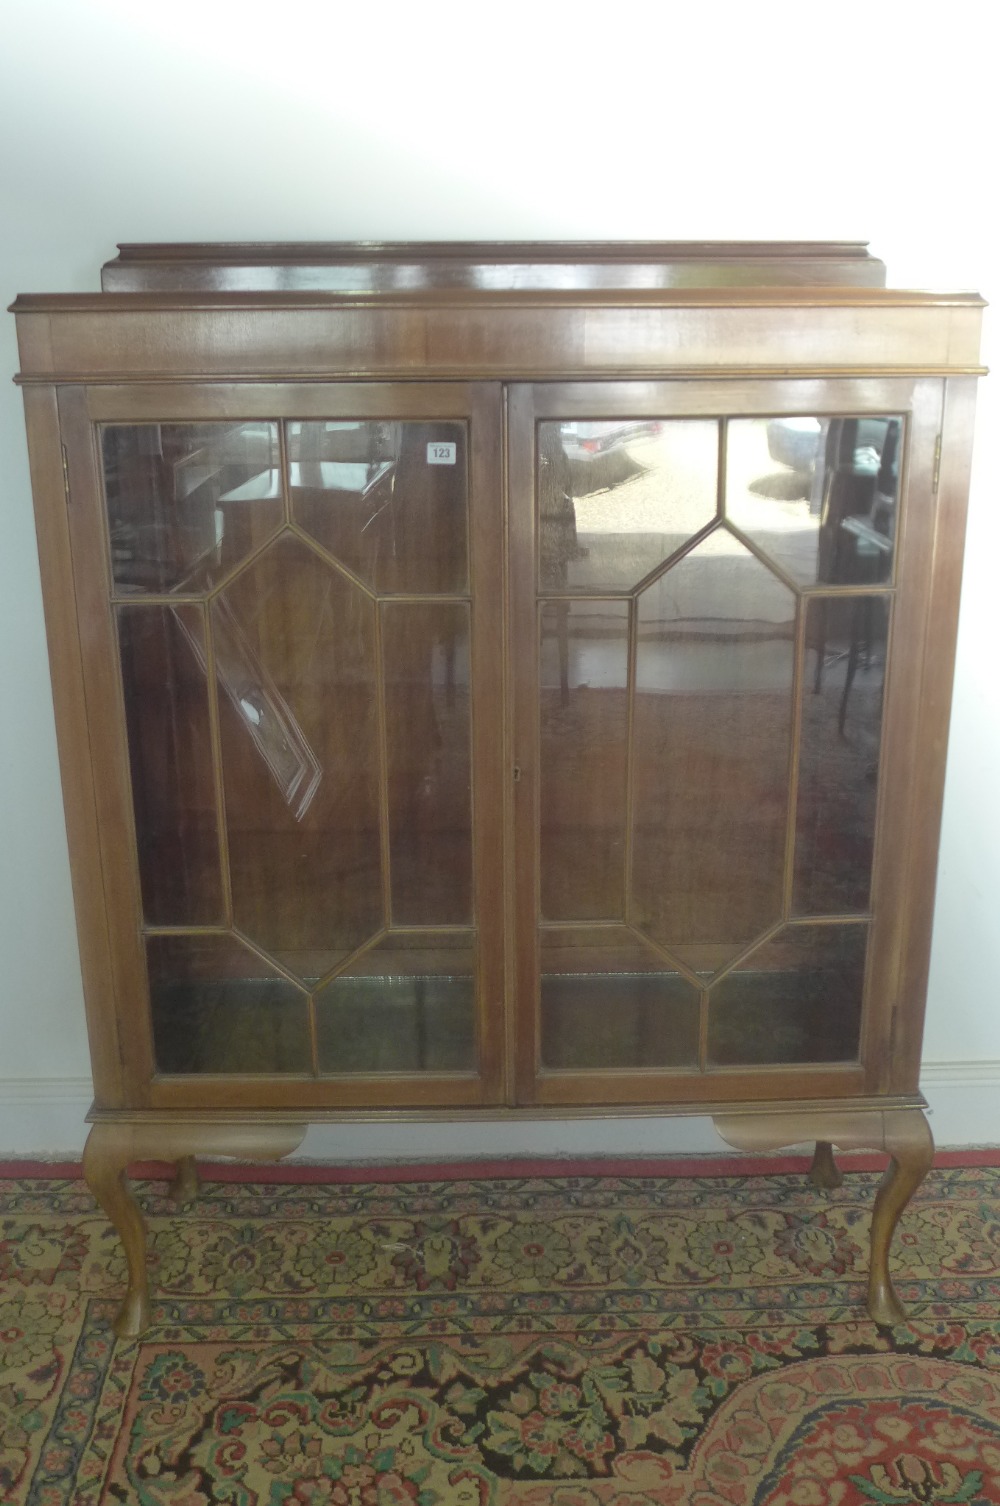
(719, 606)
(291, 601)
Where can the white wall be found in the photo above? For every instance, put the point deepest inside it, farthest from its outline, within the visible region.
(232, 119)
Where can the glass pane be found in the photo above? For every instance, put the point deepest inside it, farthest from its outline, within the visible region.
(187, 502)
(389, 500)
(839, 757)
(170, 757)
(712, 731)
(294, 645)
(408, 1005)
(584, 737)
(797, 998)
(817, 496)
(218, 1008)
(616, 498)
(610, 1002)
(426, 667)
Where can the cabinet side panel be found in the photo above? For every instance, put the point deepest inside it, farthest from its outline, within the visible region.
(909, 808)
(941, 632)
(127, 990)
(55, 560)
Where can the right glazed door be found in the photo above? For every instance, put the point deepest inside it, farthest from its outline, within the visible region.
(713, 696)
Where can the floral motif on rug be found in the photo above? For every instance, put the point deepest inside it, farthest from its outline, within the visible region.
(601, 1341)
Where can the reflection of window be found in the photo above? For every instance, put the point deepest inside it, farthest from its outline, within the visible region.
(817, 496)
(617, 498)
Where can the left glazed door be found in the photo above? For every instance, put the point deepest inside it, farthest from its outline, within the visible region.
(291, 605)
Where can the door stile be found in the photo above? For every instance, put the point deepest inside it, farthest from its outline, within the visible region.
(523, 774)
(107, 742)
(489, 718)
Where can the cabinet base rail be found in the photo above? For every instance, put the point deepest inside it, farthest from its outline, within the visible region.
(112, 1146)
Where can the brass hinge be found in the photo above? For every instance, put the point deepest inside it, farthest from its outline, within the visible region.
(65, 459)
(937, 465)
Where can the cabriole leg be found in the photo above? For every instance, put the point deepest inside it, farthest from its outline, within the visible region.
(185, 1186)
(113, 1146)
(909, 1143)
(824, 1172)
(903, 1133)
(105, 1162)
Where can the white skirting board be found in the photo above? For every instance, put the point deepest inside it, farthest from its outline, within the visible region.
(44, 1118)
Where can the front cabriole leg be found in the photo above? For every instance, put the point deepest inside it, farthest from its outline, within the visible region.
(106, 1157)
(113, 1145)
(909, 1142)
(903, 1133)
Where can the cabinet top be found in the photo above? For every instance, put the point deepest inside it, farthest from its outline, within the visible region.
(408, 266)
(493, 310)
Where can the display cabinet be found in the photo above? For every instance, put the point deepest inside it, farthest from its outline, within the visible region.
(501, 680)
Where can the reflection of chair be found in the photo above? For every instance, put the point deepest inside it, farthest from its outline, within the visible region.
(862, 636)
(857, 528)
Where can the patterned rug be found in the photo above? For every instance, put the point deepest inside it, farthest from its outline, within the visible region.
(524, 1340)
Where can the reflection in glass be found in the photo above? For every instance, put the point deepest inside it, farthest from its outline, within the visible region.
(407, 1005)
(296, 673)
(170, 753)
(610, 1002)
(218, 1008)
(425, 649)
(388, 500)
(839, 758)
(616, 498)
(712, 728)
(817, 496)
(187, 502)
(584, 734)
(797, 998)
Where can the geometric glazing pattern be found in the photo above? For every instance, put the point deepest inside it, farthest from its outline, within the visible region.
(583, 702)
(219, 1007)
(617, 497)
(608, 1000)
(817, 497)
(406, 1005)
(187, 502)
(795, 998)
(300, 762)
(387, 500)
(681, 706)
(712, 748)
(843, 686)
(299, 736)
(170, 752)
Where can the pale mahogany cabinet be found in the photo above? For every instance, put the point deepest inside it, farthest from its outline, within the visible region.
(501, 678)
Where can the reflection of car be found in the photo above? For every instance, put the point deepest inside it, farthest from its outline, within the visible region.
(590, 441)
(796, 442)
